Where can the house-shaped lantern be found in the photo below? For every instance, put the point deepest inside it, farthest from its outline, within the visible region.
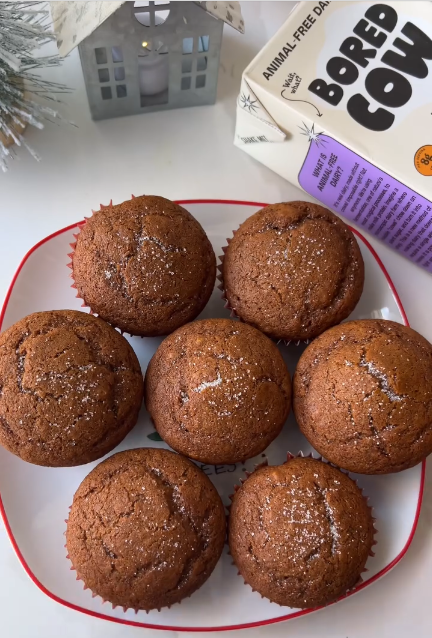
(145, 56)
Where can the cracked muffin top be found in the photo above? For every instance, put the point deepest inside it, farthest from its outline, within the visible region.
(218, 391)
(146, 529)
(363, 396)
(300, 533)
(293, 270)
(70, 388)
(146, 266)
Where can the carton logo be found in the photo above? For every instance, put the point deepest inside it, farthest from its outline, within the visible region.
(390, 84)
(423, 160)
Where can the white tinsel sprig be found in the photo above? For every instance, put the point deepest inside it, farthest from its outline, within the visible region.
(24, 30)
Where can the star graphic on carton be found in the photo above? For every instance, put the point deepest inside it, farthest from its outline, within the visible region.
(312, 135)
(248, 103)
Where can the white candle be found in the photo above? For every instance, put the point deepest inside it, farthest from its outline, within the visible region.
(153, 74)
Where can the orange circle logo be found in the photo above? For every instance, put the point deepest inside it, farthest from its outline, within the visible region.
(423, 160)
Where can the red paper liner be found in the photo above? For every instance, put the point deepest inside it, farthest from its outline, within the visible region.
(233, 313)
(317, 458)
(95, 595)
(70, 265)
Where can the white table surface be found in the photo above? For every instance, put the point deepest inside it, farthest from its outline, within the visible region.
(186, 154)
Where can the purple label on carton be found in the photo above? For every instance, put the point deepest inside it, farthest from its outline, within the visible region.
(366, 195)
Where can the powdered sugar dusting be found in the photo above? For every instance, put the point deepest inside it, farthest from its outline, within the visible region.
(298, 520)
(335, 536)
(382, 379)
(184, 397)
(209, 384)
(155, 240)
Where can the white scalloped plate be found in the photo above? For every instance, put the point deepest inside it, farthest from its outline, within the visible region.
(34, 500)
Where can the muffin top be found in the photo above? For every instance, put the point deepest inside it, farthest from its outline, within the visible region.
(71, 388)
(146, 265)
(293, 270)
(218, 391)
(363, 396)
(300, 533)
(146, 529)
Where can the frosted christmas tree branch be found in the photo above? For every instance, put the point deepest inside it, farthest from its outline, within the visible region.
(23, 31)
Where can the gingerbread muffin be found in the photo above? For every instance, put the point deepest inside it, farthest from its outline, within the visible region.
(146, 266)
(218, 391)
(146, 529)
(363, 396)
(70, 388)
(300, 533)
(293, 270)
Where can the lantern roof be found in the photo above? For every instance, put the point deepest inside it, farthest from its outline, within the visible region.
(75, 21)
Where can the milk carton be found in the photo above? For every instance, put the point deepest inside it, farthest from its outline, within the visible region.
(339, 102)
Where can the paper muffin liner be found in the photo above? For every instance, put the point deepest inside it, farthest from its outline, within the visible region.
(95, 595)
(300, 454)
(84, 304)
(233, 314)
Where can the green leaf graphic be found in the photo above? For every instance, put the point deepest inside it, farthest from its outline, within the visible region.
(154, 436)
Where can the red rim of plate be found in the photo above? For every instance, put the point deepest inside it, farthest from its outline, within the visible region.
(259, 623)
